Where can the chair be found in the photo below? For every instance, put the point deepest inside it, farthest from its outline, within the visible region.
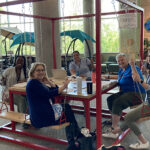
(103, 68)
(111, 60)
(112, 65)
(59, 73)
(113, 68)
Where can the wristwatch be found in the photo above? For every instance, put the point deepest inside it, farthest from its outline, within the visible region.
(141, 81)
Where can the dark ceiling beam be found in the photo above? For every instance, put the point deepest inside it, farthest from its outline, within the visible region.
(18, 2)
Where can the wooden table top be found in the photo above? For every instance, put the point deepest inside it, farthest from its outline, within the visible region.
(72, 87)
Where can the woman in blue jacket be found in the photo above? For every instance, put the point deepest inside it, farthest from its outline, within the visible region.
(40, 95)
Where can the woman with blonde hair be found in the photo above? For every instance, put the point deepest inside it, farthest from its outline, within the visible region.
(40, 93)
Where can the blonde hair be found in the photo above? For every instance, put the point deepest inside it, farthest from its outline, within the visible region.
(33, 68)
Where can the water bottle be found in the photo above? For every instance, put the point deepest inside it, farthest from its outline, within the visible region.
(79, 85)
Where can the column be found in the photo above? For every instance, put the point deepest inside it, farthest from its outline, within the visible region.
(88, 8)
(43, 33)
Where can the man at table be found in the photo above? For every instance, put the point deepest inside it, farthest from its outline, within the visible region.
(131, 93)
(81, 66)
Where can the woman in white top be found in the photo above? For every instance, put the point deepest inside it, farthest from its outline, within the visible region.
(14, 75)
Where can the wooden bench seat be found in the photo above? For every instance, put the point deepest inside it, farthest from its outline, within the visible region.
(24, 118)
(15, 116)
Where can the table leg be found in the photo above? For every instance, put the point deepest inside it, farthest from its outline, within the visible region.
(12, 108)
(87, 113)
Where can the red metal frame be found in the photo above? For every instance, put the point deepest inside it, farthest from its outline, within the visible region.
(13, 129)
(98, 48)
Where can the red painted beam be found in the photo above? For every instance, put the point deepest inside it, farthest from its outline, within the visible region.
(67, 17)
(18, 2)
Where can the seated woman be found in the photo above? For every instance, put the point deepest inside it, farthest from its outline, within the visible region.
(14, 75)
(129, 92)
(81, 67)
(40, 93)
(143, 110)
(146, 67)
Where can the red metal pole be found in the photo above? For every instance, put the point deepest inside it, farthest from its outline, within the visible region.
(53, 40)
(141, 39)
(98, 75)
(67, 17)
(18, 2)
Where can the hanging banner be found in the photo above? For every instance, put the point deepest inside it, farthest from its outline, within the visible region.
(128, 20)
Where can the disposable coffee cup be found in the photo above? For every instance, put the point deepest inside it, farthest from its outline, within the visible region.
(89, 87)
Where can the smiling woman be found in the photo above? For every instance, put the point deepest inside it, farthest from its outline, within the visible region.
(14, 75)
(41, 94)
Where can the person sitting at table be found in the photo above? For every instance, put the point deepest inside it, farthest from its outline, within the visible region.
(129, 94)
(40, 93)
(146, 67)
(81, 66)
(143, 110)
(14, 75)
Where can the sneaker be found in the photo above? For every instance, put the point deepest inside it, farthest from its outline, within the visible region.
(110, 135)
(139, 146)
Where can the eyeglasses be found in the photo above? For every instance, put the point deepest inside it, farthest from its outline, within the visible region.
(40, 70)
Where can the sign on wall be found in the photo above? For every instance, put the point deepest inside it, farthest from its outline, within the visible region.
(128, 20)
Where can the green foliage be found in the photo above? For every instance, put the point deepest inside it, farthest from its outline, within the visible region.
(109, 39)
(66, 40)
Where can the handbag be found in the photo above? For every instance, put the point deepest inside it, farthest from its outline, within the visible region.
(87, 140)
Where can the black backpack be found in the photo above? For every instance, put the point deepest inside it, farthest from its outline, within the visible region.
(113, 148)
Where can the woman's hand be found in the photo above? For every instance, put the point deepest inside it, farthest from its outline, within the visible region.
(136, 77)
(48, 82)
(65, 85)
(66, 82)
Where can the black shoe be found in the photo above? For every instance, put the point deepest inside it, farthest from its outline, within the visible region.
(73, 146)
(25, 126)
